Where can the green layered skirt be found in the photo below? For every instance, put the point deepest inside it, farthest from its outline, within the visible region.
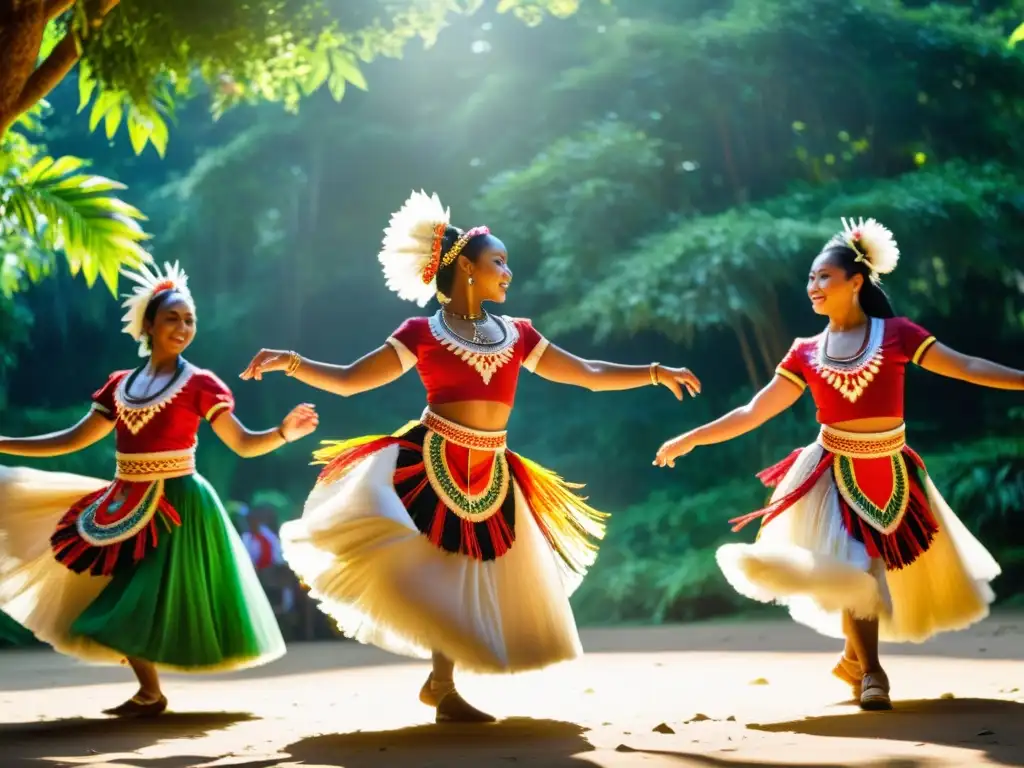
(192, 604)
(13, 634)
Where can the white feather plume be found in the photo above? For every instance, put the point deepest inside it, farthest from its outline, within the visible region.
(874, 245)
(147, 280)
(408, 244)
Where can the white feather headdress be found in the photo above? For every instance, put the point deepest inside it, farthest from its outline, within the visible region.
(149, 282)
(873, 244)
(411, 251)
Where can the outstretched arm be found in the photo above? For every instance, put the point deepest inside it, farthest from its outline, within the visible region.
(235, 435)
(91, 429)
(776, 397)
(944, 361)
(380, 367)
(565, 368)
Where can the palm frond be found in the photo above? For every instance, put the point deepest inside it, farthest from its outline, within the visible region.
(65, 209)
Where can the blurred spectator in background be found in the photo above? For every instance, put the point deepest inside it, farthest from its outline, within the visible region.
(258, 523)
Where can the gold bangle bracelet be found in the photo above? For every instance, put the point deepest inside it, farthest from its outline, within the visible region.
(654, 374)
(294, 361)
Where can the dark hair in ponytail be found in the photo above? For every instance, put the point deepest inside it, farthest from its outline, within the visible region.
(471, 250)
(873, 300)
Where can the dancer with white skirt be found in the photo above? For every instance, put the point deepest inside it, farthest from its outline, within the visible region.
(145, 569)
(856, 541)
(437, 541)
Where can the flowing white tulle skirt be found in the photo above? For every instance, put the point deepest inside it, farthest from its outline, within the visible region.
(387, 584)
(36, 590)
(806, 560)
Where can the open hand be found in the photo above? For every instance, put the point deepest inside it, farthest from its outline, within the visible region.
(672, 449)
(301, 421)
(678, 378)
(266, 361)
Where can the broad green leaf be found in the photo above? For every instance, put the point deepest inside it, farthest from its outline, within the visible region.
(320, 70)
(106, 101)
(159, 135)
(113, 120)
(336, 84)
(1017, 36)
(138, 132)
(344, 63)
(86, 86)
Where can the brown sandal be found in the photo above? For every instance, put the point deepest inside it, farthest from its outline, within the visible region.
(451, 707)
(874, 695)
(136, 707)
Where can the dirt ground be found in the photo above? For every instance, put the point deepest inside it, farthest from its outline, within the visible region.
(744, 694)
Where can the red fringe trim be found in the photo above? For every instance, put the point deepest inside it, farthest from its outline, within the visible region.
(780, 505)
(501, 535)
(570, 526)
(345, 460)
(772, 476)
(437, 524)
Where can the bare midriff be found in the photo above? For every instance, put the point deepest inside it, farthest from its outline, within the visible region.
(484, 415)
(880, 424)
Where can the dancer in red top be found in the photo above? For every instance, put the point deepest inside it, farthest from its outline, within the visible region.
(856, 541)
(145, 568)
(437, 541)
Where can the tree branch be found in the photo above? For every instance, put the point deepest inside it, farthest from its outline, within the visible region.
(55, 8)
(47, 75)
(61, 60)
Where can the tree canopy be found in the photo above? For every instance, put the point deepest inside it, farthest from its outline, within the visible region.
(138, 58)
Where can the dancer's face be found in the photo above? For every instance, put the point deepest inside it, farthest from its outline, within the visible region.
(173, 328)
(490, 272)
(831, 291)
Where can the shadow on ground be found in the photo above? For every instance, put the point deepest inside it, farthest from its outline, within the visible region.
(549, 743)
(961, 723)
(46, 742)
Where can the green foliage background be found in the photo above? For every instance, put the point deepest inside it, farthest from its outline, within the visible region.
(662, 172)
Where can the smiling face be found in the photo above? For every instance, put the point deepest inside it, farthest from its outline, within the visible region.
(490, 272)
(173, 327)
(831, 290)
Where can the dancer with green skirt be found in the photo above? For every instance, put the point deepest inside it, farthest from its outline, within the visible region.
(146, 569)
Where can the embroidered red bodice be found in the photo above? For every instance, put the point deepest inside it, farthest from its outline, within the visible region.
(169, 421)
(868, 386)
(454, 370)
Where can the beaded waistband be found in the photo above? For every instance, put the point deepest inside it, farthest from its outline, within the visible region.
(161, 465)
(468, 438)
(863, 445)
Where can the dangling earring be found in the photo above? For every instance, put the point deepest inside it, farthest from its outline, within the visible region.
(471, 281)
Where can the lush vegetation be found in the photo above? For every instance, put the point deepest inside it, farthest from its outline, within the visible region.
(662, 171)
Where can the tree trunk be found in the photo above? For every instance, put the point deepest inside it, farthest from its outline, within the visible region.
(747, 353)
(763, 346)
(776, 329)
(300, 239)
(728, 158)
(22, 23)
